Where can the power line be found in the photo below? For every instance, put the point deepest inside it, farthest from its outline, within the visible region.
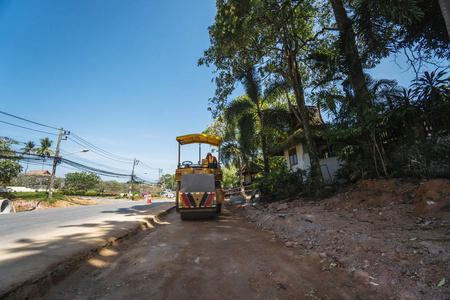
(98, 153)
(92, 169)
(28, 128)
(100, 149)
(95, 163)
(79, 141)
(79, 166)
(148, 167)
(138, 179)
(26, 120)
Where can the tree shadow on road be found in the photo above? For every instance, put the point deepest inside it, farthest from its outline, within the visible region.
(30, 266)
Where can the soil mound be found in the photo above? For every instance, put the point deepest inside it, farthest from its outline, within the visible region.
(433, 198)
(393, 236)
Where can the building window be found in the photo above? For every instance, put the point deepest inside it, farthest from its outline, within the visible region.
(293, 157)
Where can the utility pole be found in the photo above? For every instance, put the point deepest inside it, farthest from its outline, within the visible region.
(132, 177)
(159, 176)
(55, 163)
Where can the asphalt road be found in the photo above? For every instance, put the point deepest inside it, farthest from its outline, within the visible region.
(29, 224)
(34, 243)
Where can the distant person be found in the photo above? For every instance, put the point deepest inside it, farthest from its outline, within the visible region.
(212, 161)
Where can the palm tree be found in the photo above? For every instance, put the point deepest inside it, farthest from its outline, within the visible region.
(255, 116)
(231, 152)
(28, 149)
(44, 150)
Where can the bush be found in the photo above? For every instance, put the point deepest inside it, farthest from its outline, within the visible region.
(8, 195)
(108, 194)
(37, 196)
(91, 193)
(281, 183)
(427, 157)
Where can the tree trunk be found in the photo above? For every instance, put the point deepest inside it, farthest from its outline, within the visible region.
(292, 110)
(296, 83)
(263, 142)
(265, 157)
(241, 183)
(352, 60)
(445, 9)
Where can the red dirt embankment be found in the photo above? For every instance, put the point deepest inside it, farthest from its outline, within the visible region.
(393, 236)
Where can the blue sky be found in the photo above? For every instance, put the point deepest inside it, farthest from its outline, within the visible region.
(120, 74)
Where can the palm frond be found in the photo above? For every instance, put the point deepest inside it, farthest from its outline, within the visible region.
(251, 83)
(247, 130)
(275, 89)
(238, 107)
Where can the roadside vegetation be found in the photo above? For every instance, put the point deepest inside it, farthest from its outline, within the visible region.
(75, 184)
(289, 55)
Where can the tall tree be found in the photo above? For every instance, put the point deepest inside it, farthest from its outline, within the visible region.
(254, 114)
(272, 35)
(351, 56)
(28, 149)
(44, 150)
(231, 152)
(168, 181)
(384, 27)
(81, 181)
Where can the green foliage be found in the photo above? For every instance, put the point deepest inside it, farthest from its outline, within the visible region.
(36, 196)
(91, 193)
(168, 180)
(154, 190)
(392, 131)
(257, 117)
(229, 178)
(81, 181)
(426, 157)
(114, 186)
(28, 149)
(281, 183)
(409, 128)
(247, 33)
(35, 181)
(57, 195)
(9, 168)
(44, 150)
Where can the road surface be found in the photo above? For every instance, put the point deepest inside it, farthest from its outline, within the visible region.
(36, 242)
(225, 258)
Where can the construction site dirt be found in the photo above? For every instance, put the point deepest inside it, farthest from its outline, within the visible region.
(379, 240)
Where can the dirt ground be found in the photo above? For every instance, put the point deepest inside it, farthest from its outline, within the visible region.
(392, 236)
(378, 240)
(225, 258)
(24, 205)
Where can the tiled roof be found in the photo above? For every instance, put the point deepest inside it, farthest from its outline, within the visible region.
(42, 173)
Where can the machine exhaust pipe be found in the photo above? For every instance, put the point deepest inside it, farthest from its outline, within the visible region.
(5, 206)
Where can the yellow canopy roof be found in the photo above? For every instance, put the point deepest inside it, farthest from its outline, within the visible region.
(199, 138)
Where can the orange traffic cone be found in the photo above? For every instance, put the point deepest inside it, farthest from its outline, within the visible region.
(149, 198)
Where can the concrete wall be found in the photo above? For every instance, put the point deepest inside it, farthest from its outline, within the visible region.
(302, 157)
(329, 166)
